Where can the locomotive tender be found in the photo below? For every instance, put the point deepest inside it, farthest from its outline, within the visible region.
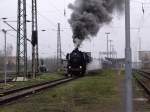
(77, 62)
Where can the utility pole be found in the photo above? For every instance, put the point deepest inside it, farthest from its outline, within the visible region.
(128, 63)
(21, 61)
(110, 41)
(58, 47)
(113, 51)
(35, 54)
(5, 66)
(140, 44)
(107, 33)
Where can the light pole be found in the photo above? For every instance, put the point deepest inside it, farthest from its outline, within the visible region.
(20, 54)
(5, 65)
(107, 33)
(13, 28)
(128, 61)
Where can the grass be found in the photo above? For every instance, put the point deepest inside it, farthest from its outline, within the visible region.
(1, 77)
(42, 78)
(97, 93)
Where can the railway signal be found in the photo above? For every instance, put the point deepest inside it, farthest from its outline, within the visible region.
(35, 54)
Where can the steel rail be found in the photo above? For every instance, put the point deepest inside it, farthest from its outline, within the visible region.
(144, 86)
(143, 73)
(141, 82)
(13, 95)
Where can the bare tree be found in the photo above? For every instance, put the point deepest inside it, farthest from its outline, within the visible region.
(9, 50)
(10, 59)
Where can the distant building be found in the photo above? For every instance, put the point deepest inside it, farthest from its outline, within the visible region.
(144, 57)
(117, 63)
(11, 59)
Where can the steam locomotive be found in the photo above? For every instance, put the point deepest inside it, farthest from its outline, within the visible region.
(77, 62)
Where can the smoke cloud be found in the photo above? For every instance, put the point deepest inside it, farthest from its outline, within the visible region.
(90, 15)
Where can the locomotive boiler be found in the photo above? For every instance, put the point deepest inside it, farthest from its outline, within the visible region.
(77, 62)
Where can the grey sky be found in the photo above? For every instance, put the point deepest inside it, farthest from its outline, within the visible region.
(51, 12)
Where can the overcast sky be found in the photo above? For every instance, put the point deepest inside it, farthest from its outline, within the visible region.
(51, 12)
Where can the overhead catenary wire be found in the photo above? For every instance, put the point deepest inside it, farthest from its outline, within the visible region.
(43, 16)
(47, 19)
(141, 23)
(144, 2)
(58, 10)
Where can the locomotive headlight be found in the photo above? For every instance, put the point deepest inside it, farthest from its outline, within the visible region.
(69, 67)
(80, 66)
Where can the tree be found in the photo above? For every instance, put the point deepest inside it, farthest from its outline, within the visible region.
(9, 50)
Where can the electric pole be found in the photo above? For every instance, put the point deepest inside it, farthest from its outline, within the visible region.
(58, 47)
(21, 57)
(110, 41)
(107, 33)
(128, 61)
(113, 51)
(35, 54)
(140, 43)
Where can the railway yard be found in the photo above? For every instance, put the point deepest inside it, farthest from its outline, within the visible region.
(100, 91)
(95, 91)
(74, 56)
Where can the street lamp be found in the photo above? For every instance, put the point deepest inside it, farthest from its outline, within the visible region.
(5, 65)
(6, 22)
(4, 18)
(107, 33)
(13, 28)
(43, 30)
(5, 52)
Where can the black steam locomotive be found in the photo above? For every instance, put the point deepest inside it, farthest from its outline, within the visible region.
(77, 62)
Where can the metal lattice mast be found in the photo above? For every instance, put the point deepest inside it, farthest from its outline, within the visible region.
(21, 61)
(58, 47)
(35, 55)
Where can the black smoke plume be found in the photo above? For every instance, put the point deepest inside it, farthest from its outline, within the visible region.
(89, 15)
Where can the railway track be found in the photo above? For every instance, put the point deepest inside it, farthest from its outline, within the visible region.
(8, 80)
(13, 95)
(143, 80)
(10, 76)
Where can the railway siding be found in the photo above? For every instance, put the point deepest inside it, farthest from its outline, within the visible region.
(143, 79)
(98, 93)
(141, 91)
(40, 79)
(14, 95)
